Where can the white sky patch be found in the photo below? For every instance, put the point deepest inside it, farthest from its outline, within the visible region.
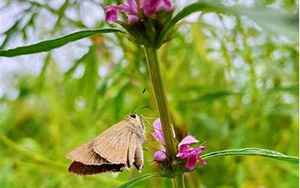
(80, 103)
(55, 4)
(45, 26)
(9, 15)
(91, 14)
(212, 19)
(65, 56)
(103, 71)
(72, 12)
(288, 98)
(79, 72)
(229, 22)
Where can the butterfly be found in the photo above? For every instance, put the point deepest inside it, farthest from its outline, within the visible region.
(117, 148)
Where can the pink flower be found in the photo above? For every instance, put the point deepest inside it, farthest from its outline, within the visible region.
(158, 133)
(131, 9)
(111, 13)
(151, 7)
(160, 155)
(190, 154)
(188, 140)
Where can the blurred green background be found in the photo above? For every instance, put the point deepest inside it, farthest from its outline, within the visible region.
(229, 83)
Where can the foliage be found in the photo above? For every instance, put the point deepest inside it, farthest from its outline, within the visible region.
(229, 83)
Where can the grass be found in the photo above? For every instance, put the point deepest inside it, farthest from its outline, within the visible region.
(230, 88)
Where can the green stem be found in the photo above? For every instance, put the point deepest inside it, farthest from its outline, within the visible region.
(161, 101)
(178, 181)
(154, 72)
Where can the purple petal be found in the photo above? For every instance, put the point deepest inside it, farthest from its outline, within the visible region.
(124, 7)
(165, 5)
(157, 124)
(151, 7)
(191, 162)
(199, 150)
(132, 6)
(188, 140)
(111, 13)
(186, 151)
(190, 154)
(183, 152)
(158, 133)
(160, 155)
(132, 19)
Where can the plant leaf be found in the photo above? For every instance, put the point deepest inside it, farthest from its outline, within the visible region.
(54, 43)
(188, 10)
(252, 152)
(272, 20)
(211, 96)
(133, 181)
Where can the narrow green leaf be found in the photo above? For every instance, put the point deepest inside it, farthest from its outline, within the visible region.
(211, 96)
(188, 10)
(272, 20)
(54, 43)
(76, 64)
(132, 182)
(252, 152)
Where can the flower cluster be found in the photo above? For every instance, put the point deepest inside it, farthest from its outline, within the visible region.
(186, 152)
(135, 10)
(190, 154)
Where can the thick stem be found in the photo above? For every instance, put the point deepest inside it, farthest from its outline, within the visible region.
(178, 181)
(161, 101)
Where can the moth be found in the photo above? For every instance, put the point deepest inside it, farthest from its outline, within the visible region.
(117, 148)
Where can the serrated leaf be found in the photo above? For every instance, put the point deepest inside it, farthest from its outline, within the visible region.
(51, 44)
(252, 152)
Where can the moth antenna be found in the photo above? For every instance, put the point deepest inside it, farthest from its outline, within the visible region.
(151, 161)
(146, 148)
(203, 143)
(147, 123)
(150, 117)
(138, 109)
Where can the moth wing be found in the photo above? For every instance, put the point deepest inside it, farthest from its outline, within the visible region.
(86, 155)
(112, 144)
(139, 156)
(131, 149)
(83, 169)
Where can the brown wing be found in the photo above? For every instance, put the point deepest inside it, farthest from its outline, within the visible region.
(86, 155)
(131, 149)
(139, 156)
(112, 144)
(82, 169)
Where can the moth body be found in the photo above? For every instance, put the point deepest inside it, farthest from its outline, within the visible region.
(117, 148)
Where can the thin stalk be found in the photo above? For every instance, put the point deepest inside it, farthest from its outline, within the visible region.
(161, 102)
(178, 181)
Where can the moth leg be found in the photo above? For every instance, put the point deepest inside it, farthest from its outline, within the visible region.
(139, 157)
